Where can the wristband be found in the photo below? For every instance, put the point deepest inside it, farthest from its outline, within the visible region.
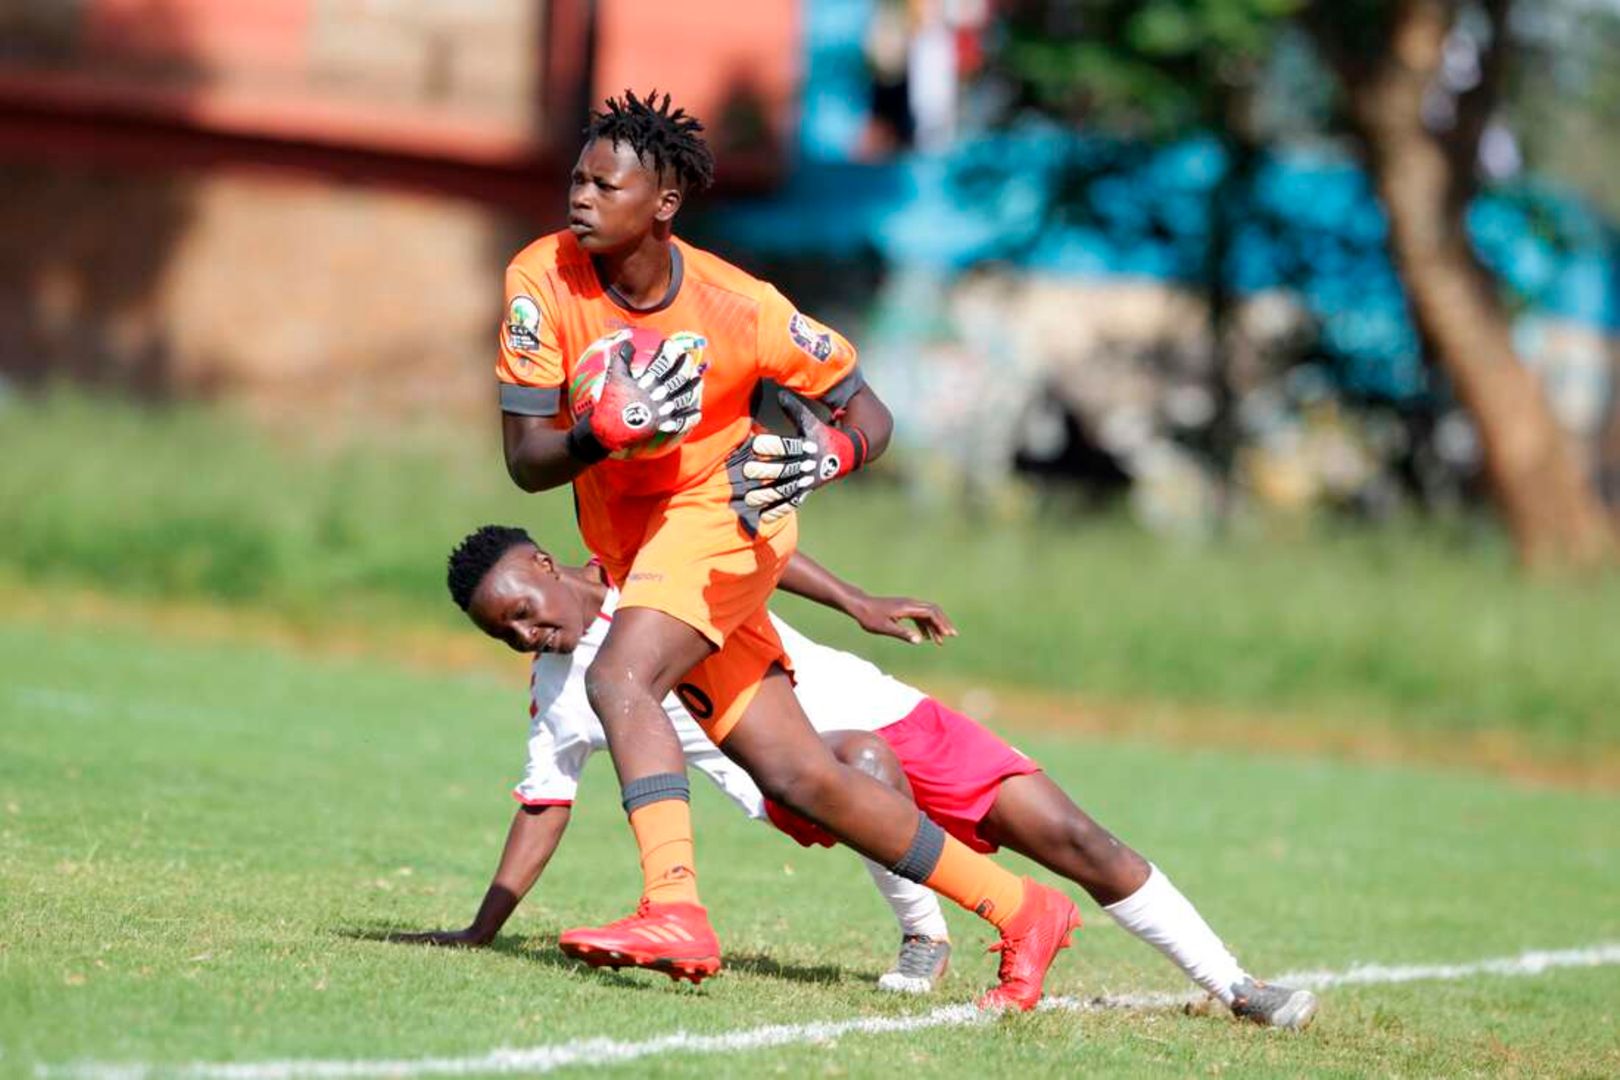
(583, 445)
(857, 439)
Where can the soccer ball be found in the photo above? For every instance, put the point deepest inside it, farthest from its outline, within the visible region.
(585, 388)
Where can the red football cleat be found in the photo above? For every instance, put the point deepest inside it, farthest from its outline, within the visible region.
(673, 938)
(1044, 923)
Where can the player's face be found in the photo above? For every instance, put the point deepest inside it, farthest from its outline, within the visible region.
(524, 602)
(614, 200)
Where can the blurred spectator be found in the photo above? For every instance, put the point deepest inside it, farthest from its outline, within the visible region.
(918, 52)
(890, 126)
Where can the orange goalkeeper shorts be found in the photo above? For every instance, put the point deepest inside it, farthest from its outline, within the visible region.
(696, 562)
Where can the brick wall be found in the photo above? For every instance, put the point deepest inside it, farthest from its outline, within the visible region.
(279, 293)
(466, 78)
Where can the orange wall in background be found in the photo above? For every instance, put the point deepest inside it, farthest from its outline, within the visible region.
(736, 66)
(259, 35)
(448, 95)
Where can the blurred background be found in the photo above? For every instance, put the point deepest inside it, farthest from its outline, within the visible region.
(1261, 346)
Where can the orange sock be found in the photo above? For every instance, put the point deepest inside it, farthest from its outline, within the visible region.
(972, 880)
(664, 834)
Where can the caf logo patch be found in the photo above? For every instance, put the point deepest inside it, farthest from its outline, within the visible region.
(829, 466)
(523, 324)
(636, 416)
(811, 338)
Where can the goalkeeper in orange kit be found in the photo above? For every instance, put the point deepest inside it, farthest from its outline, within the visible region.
(693, 520)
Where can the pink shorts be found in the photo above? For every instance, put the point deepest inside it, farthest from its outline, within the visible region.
(955, 766)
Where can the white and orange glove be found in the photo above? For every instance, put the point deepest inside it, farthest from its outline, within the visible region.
(771, 475)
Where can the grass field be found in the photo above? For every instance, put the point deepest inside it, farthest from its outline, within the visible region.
(1404, 630)
(198, 842)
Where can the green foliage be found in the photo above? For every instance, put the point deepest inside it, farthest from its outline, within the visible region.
(1357, 30)
(1564, 92)
(1406, 627)
(186, 502)
(1409, 626)
(195, 842)
(1153, 68)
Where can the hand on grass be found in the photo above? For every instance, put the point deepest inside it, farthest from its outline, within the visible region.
(450, 939)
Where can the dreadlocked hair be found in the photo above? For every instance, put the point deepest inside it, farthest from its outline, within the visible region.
(669, 139)
(477, 552)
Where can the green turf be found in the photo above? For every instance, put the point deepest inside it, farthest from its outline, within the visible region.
(1402, 628)
(195, 841)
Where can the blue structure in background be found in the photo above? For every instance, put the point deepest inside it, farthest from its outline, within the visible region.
(1312, 225)
(835, 85)
(1056, 202)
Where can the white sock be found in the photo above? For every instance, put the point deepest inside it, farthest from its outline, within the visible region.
(1159, 915)
(915, 906)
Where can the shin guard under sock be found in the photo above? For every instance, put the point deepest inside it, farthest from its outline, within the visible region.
(952, 869)
(661, 818)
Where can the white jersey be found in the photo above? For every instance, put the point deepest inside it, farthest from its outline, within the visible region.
(839, 692)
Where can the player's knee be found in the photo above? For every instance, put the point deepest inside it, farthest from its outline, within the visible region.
(804, 786)
(611, 686)
(871, 755)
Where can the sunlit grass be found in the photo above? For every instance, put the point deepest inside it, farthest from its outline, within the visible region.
(198, 844)
(1407, 627)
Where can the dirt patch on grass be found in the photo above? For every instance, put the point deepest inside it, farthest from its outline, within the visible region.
(395, 637)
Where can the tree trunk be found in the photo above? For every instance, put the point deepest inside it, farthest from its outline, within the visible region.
(1222, 434)
(1609, 448)
(1551, 508)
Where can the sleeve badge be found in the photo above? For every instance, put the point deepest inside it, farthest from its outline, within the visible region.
(523, 324)
(808, 336)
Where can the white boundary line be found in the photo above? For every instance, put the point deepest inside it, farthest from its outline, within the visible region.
(604, 1051)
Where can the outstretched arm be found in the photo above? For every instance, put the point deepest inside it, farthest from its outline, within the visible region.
(876, 614)
(530, 842)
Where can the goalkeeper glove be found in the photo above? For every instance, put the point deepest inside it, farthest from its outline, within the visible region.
(633, 408)
(771, 475)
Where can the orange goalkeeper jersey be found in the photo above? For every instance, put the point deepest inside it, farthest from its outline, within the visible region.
(556, 307)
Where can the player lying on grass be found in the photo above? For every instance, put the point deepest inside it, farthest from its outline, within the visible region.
(628, 366)
(564, 733)
(964, 777)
